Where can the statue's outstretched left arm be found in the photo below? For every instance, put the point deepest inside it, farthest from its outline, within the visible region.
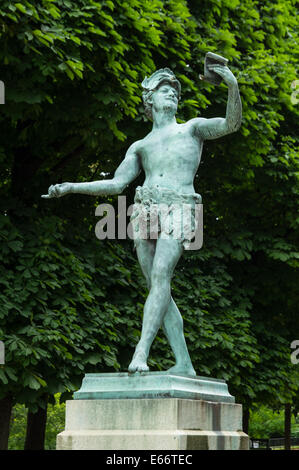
(218, 127)
(127, 171)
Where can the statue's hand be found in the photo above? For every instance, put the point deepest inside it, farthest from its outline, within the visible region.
(225, 73)
(58, 190)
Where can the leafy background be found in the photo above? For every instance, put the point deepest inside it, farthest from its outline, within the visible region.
(73, 304)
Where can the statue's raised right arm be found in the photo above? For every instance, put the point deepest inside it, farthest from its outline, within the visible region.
(217, 127)
(127, 171)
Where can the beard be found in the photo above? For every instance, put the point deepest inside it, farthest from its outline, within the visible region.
(169, 108)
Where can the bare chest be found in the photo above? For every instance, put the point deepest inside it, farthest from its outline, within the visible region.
(171, 151)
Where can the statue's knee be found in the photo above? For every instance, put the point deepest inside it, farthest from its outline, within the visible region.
(148, 282)
(180, 322)
(160, 278)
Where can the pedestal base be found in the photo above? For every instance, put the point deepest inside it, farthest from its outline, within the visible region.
(152, 440)
(153, 385)
(152, 424)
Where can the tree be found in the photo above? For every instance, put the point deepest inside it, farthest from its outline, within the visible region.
(73, 304)
(251, 184)
(60, 316)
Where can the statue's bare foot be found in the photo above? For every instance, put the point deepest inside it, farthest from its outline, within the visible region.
(182, 370)
(138, 363)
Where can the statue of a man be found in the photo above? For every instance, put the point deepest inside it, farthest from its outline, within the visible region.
(169, 156)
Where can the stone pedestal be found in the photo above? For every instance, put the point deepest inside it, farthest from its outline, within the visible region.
(152, 412)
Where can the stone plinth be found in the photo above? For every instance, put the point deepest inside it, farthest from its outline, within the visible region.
(163, 422)
(153, 385)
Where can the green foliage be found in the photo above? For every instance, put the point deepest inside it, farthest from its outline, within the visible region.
(17, 428)
(55, 425)
(60, 317)
(73, 304)
(265, 423)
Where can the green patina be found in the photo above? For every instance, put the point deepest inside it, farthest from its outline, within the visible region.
(169, 156)
(152, 385)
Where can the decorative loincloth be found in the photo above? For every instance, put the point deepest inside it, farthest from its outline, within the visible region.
(164, 213)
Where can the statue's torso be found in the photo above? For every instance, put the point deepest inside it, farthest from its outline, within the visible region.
(170, 157)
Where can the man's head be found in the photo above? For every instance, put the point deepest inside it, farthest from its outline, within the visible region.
(164, 84)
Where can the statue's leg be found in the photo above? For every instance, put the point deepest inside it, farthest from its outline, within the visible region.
(166, 256)
(173, 327)
(173, 322)
(145, 253)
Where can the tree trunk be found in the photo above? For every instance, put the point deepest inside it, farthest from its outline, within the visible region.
(5, 415)
(246, 415)
(287, 426)
(36, 430)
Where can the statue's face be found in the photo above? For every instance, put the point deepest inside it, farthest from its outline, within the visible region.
(165, 98)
